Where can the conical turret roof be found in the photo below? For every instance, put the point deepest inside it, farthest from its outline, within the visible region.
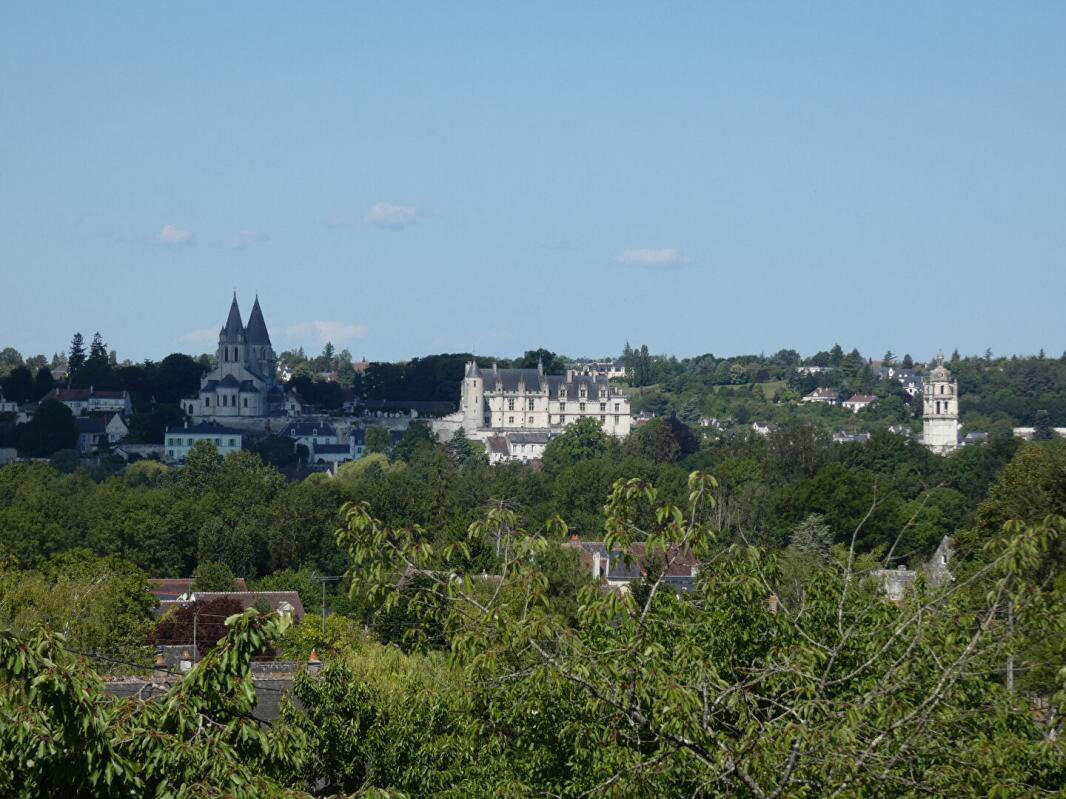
(257, 329)
(231, 333)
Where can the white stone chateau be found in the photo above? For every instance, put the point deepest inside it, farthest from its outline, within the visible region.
(243, 385)
(502, 403)
(940, 418)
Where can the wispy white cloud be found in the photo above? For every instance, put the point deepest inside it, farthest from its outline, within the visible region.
(172, 235)
(202, 336)
(652, 257)
(380, 215)
(244, 238)
(336, 332)
(390, 216)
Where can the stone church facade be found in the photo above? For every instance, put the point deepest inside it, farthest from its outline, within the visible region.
(940, 417)
(243, 384)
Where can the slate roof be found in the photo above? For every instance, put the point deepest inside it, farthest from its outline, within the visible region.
(332, 449)
(229, 381)
(82, 394)
(497, 445)
(308, 428)
(234, 327)
(90, 425)
(205, 429)
(529, 438)
(173, 587)
(533, 380)
(680, 572)
(823, 393)
(257, 329)
(249, 598)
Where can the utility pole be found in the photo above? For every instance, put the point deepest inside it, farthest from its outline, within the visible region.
(325, 578)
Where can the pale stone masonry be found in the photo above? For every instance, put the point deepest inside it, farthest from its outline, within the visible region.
(527, 399)
(243, 384)
(499, 404)
(940, 418)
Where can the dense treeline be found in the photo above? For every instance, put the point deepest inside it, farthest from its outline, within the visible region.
(779, 674)
(742, 389)
(438, 378)
(241, 512)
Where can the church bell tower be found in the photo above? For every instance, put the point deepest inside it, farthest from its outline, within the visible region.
(940, 417)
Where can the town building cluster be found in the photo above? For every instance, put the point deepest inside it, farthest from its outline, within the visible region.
(512, 413)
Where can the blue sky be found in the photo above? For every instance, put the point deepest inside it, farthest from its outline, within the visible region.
(408, 178)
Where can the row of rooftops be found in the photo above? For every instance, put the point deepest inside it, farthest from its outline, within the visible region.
(535, 381)
(295, 429)
(84, 395)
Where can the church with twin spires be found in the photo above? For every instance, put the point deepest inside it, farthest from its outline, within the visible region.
(243, 384)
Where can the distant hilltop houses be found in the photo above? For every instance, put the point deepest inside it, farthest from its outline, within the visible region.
(249, 397)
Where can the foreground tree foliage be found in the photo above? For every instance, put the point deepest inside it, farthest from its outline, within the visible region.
(61, 735)
(762, 681)
(724, 692)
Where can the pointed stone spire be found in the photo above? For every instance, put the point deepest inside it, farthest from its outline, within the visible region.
(231, 333)
(257, 329)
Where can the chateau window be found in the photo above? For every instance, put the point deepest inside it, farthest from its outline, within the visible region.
(510, 404)
(245, 402)
(531, 420)
(562, 407)
(616, 407)
(581, 407)
(207, 402)
(603, 406)
(616, 420)
(603, 420)
(218, 442)
(510, 420)
(530, 403)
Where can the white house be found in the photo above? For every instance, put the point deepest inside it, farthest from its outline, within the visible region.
(310, 432)
(6, 406)
(180, 439)
(88, 400)
(859, 401)
(524, 447)
(612, 370)
(94, 430)
(824, 395)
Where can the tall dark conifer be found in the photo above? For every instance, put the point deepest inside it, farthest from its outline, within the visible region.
(76, 359)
